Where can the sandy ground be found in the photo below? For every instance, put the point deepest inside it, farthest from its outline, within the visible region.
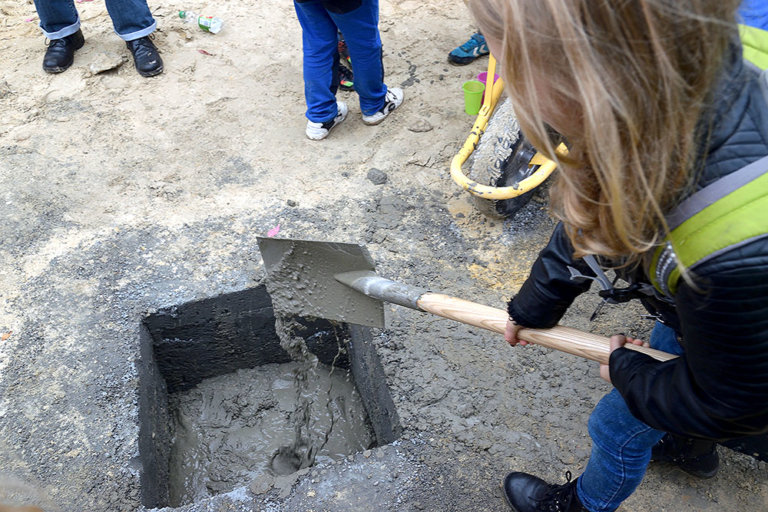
(121, 195)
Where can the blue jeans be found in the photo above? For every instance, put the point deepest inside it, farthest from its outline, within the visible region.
(621, 444)
(131, 18)
(321, 60)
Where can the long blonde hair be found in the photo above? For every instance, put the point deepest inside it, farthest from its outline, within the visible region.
(630, 79)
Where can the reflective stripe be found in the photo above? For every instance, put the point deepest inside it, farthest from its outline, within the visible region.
(716, 191)
(666, 261)
(728, 213)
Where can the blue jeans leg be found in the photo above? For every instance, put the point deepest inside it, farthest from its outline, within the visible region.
(132, 19)
(58, 18)
(321, 59)
(361, 32)
(621, 444)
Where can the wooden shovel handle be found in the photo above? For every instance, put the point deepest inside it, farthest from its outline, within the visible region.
(564, 339)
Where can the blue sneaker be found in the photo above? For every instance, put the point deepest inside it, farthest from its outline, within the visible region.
(469, 51)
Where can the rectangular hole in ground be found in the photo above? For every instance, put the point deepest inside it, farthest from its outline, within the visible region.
(220, 404)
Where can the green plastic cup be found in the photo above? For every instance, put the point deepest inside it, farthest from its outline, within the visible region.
(473, 96)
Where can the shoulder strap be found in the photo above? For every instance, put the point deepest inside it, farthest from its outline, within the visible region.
(728, 213)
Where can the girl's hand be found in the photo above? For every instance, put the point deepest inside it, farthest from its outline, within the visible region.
(510, 333)
(618, 341)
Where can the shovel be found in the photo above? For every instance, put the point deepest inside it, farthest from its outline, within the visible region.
(338, 281)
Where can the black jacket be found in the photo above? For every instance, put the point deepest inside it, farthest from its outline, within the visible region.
(718, 389)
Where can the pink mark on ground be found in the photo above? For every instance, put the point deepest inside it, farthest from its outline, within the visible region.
(272, 232)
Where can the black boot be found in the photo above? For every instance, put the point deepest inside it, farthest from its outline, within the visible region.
(61, 52)
(145, 56)
(697, 457)
(527, 493)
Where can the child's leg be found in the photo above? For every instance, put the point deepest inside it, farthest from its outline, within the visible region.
(361, 33)
(319, 39)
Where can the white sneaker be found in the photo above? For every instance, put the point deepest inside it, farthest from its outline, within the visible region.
(318, 131)
(392, 100)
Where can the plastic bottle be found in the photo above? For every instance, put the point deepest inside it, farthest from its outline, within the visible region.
(207, 23)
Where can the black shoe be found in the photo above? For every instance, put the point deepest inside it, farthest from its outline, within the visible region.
(145, 56)
(697, 457)
(61, 52)
(527, 493)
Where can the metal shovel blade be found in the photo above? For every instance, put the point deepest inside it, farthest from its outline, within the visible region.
(301, 280)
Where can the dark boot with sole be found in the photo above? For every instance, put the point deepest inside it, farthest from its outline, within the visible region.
(527, 493)
(697, 457)
(145, 56)
(61, 52)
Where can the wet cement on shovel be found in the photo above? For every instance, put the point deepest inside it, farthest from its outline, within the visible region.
(264, 422)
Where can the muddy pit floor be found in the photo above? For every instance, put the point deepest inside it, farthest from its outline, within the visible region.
(122, 195)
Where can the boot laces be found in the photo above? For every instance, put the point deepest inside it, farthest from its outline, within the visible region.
(144, 44)
(143, 47)
(560, 498)
(53, 43)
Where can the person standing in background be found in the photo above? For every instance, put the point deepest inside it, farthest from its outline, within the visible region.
(132, 20)
(358, 20)
(473, 49)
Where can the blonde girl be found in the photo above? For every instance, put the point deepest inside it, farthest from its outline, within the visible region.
(657, 105)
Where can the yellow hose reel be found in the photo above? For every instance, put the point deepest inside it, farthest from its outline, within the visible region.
(546, 166)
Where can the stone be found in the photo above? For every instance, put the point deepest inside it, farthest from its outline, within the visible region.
(106, 61)
(377, 177)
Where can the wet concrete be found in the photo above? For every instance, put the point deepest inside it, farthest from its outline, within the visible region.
(218, 406)
(301, 280)
(228, 430)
